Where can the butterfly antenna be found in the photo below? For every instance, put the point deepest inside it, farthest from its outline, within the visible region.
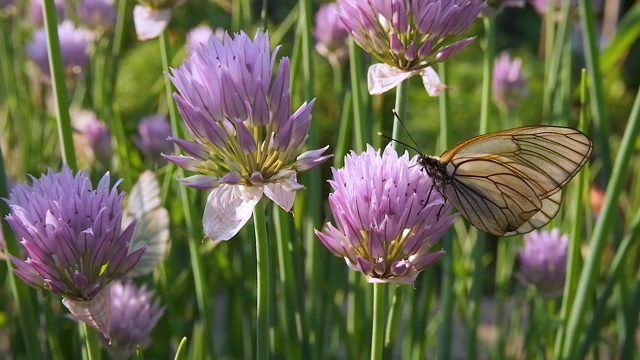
(417, 147)
(399, 142)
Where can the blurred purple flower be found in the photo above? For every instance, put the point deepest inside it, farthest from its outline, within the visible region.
(98, 14)
(247, 141)
(74, 46)
(72, 235)
(544, 7)
(36, 11)
(92, 137)
(153, 132)
(199, 37)
(331, 36)
(99, 138)
(387, 215)
(508, 84)
(134, 314)
(151, 17)
(543, 261)
(495, 7)
(540, 6)
(6, 6)
(408, 36)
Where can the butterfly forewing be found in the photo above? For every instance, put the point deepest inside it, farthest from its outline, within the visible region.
(511, 181)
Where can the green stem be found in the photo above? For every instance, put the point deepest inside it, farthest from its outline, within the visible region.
(598, 103)
(336, 69)
(51, 323)
(264, 282)
(263, 15)
(341, 144)
(629, 344)
(120, 29)
(199, 277)
(393, 321)
(488, 59)
(402, 100)
(294, 316)
(556, 43)
(447, 298)
(574, 257)
(359, 113)
(475, 296)
(377, 336)
(91, 345)
(504, 267)
(59, 87)
(601, 231)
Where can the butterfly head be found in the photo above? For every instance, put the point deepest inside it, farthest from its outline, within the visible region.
(435, 168)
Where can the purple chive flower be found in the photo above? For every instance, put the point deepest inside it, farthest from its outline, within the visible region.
(543, 261)
(73, 240)
(508, 84)
(247, 141)
(387, 216)
(134, 314)
(331, 36)
(408, 36)
(151, 17)
(153, 132)
(74, 46)
(36, 11)
(98, 14)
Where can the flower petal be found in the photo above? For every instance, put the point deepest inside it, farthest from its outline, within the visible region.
(228, 208)
(382, 78)
(280, 196)
(432, 82)
(149, 22)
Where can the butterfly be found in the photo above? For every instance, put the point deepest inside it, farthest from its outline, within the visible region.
(509, 182)
(152, 230)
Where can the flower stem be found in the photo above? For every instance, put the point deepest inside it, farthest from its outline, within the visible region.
(393, 321)
(447, 298)
(574, 257)
(355, 70)
(487, 72)
(377, 336)
(294, 316)
(596, 90)
(402, 99)
(196, 264)
(59, 87)
(264, 282)
(92, 348)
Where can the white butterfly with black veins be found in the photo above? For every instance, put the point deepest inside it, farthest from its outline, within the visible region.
(152, 229)
(509, 182)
